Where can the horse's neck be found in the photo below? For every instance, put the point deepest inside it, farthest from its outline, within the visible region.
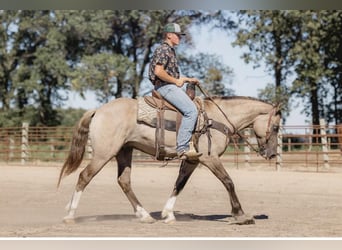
(240, 113)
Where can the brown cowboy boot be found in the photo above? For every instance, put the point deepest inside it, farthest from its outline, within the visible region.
(191, 154)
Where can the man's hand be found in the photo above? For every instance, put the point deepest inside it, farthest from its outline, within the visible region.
(193, 80)
(180, 82)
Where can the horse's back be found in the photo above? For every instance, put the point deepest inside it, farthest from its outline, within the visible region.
(118, 104)
(113, 118)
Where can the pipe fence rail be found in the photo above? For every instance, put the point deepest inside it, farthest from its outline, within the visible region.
(298, 146)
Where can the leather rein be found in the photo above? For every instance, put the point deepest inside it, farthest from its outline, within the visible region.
(235, 131)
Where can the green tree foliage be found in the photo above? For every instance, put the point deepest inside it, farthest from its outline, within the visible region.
(46, 53)
(301, 49)
(104, 73)
(214, 74)
(270, 35)
(35, 47)
(9, 57)
(133, 36)
(70, 116)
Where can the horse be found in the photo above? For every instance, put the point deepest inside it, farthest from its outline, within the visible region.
(114, 132)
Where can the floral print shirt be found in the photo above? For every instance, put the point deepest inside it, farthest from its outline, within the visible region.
(164, 55)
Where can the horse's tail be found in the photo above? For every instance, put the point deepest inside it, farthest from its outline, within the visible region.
(78, 144)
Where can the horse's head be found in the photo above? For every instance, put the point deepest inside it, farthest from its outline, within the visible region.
(266, 127)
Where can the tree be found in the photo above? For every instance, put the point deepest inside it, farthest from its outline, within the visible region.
(332, 46)
(9, 56)
(214, 75)
(299, 48)
(104, 73)
(135, 33)
(46, 53)
(319, 65)
(43, 71)
(270, 36)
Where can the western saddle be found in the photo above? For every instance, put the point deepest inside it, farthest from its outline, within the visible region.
(161, 105)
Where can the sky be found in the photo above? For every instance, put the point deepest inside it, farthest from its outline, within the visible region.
(246, 80)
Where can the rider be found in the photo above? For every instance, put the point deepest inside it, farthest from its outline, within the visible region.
(164, 74)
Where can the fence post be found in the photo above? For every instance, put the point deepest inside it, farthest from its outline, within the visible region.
(324, 143)
(11, 148)
(279, 161)
(52, 148)
(247, 149)
(24, 142)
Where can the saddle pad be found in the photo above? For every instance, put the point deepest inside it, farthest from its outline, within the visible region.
(148, 115)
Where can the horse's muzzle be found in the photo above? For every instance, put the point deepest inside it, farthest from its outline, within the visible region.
(267, 153)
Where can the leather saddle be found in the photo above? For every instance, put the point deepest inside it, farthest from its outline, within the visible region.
(157, 102)
(204, 123)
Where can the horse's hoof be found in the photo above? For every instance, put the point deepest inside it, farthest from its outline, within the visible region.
(164, 214)
(69, 221)
(242, 220)
(170, 220)
(147, 219)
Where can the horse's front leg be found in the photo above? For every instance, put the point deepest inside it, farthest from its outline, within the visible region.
(216, 167)
(185, 171)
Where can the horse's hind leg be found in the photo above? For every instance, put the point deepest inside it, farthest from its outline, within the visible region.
(124, 159)
(83, 180)
(185, 171)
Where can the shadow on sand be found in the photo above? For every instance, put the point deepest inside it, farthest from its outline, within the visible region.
(157, 215)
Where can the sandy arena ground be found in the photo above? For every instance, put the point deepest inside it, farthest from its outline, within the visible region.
(285, 203)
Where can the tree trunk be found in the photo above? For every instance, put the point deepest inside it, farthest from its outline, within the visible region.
(314, 108)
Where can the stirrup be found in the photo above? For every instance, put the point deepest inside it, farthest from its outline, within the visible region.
(191, 154)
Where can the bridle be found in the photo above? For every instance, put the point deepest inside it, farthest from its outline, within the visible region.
(235, 131)
(271, 114)
(268, 131)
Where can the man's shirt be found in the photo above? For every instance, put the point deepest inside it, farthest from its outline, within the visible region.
(164, 55)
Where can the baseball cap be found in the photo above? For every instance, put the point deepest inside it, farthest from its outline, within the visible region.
(173, 28)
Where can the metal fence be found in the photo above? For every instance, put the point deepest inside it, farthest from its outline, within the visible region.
(298, 146)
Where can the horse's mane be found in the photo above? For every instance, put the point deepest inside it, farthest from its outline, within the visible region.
(239, 97)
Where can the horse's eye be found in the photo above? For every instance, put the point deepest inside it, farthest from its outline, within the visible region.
(275, 128)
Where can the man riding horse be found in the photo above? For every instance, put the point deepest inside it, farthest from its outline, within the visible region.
(164, 74)
(115, 131)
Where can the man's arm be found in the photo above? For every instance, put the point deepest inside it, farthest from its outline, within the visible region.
(164, 76)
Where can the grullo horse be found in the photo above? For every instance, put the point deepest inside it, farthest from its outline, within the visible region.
(114, 132)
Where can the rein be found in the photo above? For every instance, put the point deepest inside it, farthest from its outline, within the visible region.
(206, 94)
(235, 132)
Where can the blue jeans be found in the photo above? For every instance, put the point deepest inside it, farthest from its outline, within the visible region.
(178, 98)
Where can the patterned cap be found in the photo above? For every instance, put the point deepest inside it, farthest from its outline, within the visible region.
(173, 28)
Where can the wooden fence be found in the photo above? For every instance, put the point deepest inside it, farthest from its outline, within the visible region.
(298, 146)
